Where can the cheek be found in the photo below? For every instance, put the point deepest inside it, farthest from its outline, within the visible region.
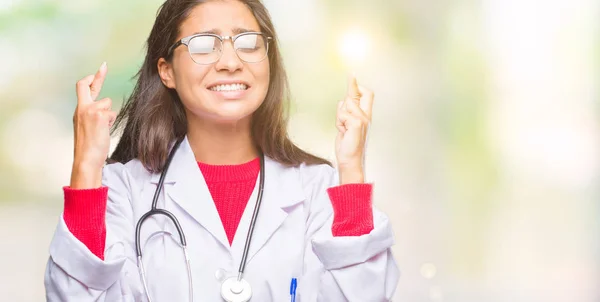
(262, 77)
(267, 72)
(189, 79)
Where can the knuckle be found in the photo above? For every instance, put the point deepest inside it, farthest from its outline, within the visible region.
(90, 114)
(101, 104)
(84, 82)
(81, 83)
(353, 121)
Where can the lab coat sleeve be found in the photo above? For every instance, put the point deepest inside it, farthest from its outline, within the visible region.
(346, 268)
(73, 273)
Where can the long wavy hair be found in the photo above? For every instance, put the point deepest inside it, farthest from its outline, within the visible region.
(153, 117)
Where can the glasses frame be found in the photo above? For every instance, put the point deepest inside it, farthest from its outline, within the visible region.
(186, 40)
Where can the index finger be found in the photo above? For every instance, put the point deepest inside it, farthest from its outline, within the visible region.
(98, 81)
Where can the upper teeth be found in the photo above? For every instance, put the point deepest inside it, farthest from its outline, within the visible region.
(229, 87)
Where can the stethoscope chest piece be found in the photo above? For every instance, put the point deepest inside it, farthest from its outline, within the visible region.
(233, 290)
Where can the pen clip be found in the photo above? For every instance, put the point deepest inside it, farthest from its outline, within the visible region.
(293, 286)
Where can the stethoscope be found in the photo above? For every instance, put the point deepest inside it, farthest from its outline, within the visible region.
(233, 289)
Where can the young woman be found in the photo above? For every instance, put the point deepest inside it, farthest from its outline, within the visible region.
(205, 197)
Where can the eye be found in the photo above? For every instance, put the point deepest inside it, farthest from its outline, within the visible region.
(204, 45)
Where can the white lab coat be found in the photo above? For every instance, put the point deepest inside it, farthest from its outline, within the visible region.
(292, 239)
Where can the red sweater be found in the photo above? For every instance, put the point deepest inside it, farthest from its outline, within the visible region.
(230, 187)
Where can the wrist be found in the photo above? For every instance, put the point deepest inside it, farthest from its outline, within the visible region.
(85, 176)
(351, 177)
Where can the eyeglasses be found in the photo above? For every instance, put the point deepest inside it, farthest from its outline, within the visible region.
(250, 47)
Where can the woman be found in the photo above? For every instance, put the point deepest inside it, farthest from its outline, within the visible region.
(262, 218)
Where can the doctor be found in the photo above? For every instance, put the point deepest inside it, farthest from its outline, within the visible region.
(205, 197)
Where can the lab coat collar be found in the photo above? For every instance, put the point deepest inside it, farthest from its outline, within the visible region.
(186, 186)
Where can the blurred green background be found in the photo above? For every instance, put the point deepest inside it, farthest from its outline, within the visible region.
(484, 147)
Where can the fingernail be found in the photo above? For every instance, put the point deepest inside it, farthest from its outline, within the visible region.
(103, 65)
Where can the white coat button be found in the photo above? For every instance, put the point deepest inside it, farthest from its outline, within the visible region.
(220, 275)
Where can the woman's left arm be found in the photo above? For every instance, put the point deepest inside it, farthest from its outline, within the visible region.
(350, 241)
(346, 267)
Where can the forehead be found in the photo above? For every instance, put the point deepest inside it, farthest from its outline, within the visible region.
(222, 17)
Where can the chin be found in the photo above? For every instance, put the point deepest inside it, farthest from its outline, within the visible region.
(229, 115)
(229, 120)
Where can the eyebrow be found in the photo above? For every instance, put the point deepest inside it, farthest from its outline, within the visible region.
(236, 31)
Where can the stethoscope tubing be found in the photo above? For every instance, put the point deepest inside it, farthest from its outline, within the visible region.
(155, 211)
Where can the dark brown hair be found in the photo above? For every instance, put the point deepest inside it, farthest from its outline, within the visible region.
(153, 117)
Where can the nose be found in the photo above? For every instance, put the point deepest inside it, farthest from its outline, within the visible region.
(229, 60)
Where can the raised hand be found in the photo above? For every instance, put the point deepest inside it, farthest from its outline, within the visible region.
(353, 120)
(91, 123)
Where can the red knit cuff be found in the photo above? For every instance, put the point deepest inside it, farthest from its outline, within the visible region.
(352, 209)
(84, 215)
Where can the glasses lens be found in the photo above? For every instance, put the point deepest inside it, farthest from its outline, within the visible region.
(251, 48)
(204, 49)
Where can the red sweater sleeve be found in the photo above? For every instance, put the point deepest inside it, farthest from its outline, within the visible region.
(84, 215)
(352, 209)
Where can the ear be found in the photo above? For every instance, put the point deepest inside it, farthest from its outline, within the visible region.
(165, 71)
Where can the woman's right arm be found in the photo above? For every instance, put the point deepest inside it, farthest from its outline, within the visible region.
(74, 272)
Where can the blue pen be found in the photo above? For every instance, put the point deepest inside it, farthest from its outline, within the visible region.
(293, 286)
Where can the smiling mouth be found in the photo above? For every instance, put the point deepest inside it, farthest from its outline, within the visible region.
(229, 87)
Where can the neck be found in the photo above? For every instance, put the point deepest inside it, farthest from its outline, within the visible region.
(222, 143)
